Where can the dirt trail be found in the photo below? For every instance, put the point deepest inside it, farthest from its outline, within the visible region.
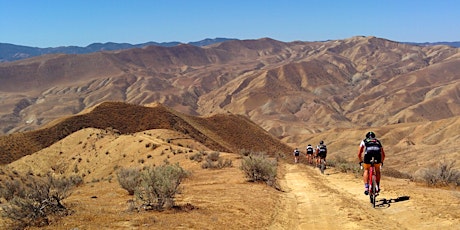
(336, 201)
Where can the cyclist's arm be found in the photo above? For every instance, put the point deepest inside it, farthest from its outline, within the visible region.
(383, 154)
(360, 153)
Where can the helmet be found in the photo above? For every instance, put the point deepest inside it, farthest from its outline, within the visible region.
(321, 142)
(370, 134)
(309, 145)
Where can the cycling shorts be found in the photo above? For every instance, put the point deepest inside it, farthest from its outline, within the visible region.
(368, 156)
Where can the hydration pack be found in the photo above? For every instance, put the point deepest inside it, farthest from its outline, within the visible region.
(322, 149)
(372, 145)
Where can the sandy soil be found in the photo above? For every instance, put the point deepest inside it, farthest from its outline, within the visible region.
(336, 201)
(222, 199)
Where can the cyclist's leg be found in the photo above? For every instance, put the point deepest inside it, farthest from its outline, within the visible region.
(366, 178)
(377, 173)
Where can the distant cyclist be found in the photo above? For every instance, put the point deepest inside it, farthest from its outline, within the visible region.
(296, 155)
(310, 152)
(321, 153)
(374, 149)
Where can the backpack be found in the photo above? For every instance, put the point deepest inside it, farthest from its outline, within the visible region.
(322, 150)
(372, 145)
(296, 152)
(310, 150)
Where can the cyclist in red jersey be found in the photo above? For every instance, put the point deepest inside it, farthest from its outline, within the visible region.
(374, 149)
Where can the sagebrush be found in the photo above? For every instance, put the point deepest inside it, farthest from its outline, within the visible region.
(258, 167)
(33, 200)
(443, 174)
(154, 187)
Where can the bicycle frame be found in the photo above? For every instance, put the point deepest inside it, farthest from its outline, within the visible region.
(322, 165)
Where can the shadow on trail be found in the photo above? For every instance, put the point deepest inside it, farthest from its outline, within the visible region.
(384, 203)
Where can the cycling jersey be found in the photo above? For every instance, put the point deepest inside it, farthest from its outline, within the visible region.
(373, 149)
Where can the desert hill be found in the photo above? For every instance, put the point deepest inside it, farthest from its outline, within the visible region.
(212, 198)
(360, 81)
(300, 92)
(226, 133)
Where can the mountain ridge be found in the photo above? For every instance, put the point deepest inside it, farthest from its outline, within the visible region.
(213, 132)
(11, 52)
(299, 92)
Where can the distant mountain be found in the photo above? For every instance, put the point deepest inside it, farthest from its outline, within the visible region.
(453, 44)
(11, 52)
(300, 92)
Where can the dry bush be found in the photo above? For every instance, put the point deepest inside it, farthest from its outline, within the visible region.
(257, 167)
(391, 172)
(245, 152)
(444, 174)
(159, 186)
(129, 179)
(214, 161)
(344, 166)
(33, 201)
(198, 157)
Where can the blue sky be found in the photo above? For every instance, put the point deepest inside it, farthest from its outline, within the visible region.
(52, 23)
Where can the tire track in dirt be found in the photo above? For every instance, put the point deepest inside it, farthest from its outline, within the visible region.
(316, 201)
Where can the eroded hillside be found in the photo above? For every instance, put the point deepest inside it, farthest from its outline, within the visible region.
(227, 133)
(300, 92)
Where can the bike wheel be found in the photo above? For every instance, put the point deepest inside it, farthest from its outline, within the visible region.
(322, 166)
(373, 191)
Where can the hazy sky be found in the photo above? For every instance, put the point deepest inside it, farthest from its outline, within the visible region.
(51, 23)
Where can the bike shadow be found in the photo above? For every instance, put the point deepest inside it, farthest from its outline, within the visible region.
(386, 203)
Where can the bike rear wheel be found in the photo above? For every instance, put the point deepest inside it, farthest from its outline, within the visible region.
(322, 166)
(373, 191)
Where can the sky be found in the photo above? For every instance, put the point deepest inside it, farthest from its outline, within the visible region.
(53, 23)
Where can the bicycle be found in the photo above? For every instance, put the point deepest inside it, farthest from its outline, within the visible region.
(373, 187)
(322, 165)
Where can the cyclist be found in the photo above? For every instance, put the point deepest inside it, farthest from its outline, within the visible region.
(296, 155)
(310, 151)
(321, 153)
(374, 149)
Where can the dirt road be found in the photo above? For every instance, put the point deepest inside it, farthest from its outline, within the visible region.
(336, 201)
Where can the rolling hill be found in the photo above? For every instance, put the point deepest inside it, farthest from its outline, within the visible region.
(297, 91)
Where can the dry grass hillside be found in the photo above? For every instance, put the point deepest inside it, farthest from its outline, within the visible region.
(312, 86)
(227, 133)
(300, 92)
(212, 198)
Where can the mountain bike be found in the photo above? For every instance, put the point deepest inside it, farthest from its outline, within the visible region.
(322, 164)
(373, 188)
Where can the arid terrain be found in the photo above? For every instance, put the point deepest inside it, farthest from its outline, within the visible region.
(212, 198)
(93, 114)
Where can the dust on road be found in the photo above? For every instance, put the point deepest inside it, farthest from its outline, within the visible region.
(335, 201)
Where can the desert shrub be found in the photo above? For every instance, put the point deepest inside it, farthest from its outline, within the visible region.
(344, 166)
(35, 200)
(245, 152)
(198, 157)
(129, 179)
(214, 161)
(257, 167)
(159, 185)
(443, 174)
(214, 156)
(391, 172)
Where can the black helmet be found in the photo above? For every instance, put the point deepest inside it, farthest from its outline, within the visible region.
(370, 134)
(321, 142)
